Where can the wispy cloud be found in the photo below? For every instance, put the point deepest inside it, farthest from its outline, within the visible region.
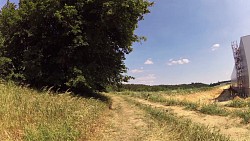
(215, 47)
(178, 62)
(148, 79)
(137, 70)
(149, 62)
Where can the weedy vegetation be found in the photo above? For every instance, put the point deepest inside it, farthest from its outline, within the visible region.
(187, 104)
(214, 109)
(238, 103)
(27, 114)
(245, 115)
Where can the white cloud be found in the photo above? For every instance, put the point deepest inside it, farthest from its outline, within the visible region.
(215, 47)
(185, 61)
(178, 62)
(149, 62)
(148, 79)
(137, 70)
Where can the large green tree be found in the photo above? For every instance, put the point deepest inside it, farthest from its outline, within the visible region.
(78, 44)
(8, 18)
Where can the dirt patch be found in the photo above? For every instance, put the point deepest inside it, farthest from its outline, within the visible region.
(231, 127)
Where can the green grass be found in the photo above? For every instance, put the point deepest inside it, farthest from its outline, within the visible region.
(187, 104)
(214, 109)
(191, 106)
(184, 129)
(237, 103)
(27, 114)
(245, 115)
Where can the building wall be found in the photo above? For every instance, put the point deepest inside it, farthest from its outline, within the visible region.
(245, 44)
(234, 83)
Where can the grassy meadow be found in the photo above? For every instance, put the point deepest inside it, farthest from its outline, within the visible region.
(27, 114)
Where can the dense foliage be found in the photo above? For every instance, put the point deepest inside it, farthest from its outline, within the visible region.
(77, 44)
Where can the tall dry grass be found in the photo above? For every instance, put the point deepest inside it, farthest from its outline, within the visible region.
(27, 114)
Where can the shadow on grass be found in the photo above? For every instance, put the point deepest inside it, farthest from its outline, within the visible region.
(84, 92)
(96, 95)
(226, 95)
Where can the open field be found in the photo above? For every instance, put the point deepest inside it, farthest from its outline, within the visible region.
(31, 115)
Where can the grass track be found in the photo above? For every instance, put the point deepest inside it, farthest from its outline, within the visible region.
(187, 131)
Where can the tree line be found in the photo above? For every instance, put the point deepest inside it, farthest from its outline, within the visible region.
(155, 88)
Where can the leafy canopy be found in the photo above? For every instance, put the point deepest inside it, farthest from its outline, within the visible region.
(77, 44)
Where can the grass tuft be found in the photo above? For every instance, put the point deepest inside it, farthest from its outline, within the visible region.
(245, 115)
(191, 106)
(187, 104)
(237, 103)
(214, 109)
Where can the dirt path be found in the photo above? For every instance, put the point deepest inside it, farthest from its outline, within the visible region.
(227, 125)
(125, 122)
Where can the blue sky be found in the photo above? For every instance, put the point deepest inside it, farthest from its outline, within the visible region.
(187, 41)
